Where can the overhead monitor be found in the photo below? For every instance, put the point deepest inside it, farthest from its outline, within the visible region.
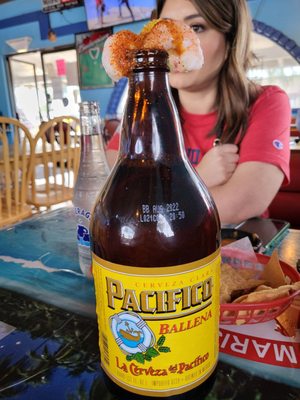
(59, 5)
(104, 13)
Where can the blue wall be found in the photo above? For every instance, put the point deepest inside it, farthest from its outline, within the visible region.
(282, 15)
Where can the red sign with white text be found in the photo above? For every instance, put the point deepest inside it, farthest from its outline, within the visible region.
(283, 353)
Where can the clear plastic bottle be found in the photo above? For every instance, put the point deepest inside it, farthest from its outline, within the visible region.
(92, 174)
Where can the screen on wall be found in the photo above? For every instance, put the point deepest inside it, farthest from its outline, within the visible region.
(58, 5)
(104, 13)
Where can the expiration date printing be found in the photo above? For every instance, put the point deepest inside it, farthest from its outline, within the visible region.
(156, 212)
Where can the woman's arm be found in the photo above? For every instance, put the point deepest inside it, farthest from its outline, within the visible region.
(248, 192)
(240, 192)
(263, 161)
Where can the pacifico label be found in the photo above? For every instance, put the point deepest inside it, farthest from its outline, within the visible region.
(158, 327)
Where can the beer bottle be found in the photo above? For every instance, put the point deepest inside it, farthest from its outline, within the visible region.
(155, 237)
(92, 173)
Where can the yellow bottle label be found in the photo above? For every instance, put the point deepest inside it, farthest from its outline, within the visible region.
(158, 327)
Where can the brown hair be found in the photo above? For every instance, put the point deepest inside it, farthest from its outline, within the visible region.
(235, 92)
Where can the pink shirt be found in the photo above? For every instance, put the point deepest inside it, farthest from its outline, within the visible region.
(266, 139)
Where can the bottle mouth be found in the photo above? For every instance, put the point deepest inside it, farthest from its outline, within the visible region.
(150, 59)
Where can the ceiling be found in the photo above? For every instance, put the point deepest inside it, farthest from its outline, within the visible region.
(270, 52)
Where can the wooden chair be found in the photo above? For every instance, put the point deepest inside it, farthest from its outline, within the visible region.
(55, 162)
(15, 149)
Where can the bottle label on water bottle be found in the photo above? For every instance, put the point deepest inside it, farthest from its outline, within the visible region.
(83, 240)
(83, 220)
(158, 327)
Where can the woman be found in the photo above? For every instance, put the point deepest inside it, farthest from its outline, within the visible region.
(219, 105)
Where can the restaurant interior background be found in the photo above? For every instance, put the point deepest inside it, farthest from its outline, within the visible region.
(39, 80)
(48, 306)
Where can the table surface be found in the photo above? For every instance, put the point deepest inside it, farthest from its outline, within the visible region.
(48, 307)
(289, 248)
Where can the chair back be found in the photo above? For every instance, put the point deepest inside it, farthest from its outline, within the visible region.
(15, 150)
(56, 155)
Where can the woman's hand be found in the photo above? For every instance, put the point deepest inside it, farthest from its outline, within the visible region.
(218, 164)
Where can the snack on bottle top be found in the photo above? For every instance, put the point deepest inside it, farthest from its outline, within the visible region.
(175, 37)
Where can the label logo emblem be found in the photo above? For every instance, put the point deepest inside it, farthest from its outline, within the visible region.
(83, 235)
(131, 332)
(277, 144)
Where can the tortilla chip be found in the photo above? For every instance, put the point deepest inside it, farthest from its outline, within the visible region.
(265, 295)
(272, 272)
(252, 286)
(296, 302)
(289, 321)
(232, 280)
(248, 273)
(262, 287)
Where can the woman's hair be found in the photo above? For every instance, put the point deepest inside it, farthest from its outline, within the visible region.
(235, 92)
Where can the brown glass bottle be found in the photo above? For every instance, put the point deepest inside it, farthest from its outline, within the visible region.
(155, 214)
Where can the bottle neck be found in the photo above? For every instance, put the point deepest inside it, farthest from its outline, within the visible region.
(90, 124)
(151, 127)
(91, 138)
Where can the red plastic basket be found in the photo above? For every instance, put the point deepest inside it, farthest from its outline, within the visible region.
(253, 313)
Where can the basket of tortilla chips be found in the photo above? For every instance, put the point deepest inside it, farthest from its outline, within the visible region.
(255, 290)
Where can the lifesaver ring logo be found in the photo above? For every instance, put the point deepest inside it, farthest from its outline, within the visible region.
(131, 332)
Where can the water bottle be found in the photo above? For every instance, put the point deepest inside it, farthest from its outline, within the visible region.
(92, 174)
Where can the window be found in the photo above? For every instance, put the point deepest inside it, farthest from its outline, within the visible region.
(44, 86)
(275, 66)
